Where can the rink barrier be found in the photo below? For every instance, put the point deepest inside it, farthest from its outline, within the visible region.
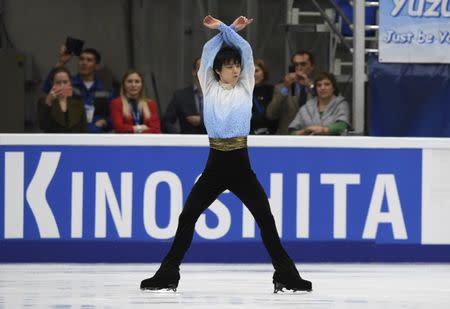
(116, 198)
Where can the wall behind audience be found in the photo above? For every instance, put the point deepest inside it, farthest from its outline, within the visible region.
(38, 28)
(99, 23)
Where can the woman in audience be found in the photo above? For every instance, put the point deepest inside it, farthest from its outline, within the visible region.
(262, 95)
(59, 112)
(326, 114)
(133, 112)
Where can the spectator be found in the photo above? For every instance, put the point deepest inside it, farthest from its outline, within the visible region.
(89, 88)
(59, 112)
(326, 114)
(132, 112)
(293, 93)
(186, 106)
(262, 95)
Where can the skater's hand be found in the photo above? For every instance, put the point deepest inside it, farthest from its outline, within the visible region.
(241, 22)
(211, 22)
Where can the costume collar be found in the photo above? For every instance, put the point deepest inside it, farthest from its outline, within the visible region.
(225, 86)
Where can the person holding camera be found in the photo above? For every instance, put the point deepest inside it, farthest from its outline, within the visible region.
(296, 88)
(59, 111)
(88, 87)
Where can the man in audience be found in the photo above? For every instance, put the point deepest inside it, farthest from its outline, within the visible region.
(186, 106)
(293, 92)
(89, 88)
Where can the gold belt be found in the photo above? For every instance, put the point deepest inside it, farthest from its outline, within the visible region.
(228, 144)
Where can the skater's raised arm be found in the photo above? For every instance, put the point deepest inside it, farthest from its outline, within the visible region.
(205, 73)
(233, 39)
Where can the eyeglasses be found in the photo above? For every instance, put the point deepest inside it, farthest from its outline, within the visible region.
(302, 64)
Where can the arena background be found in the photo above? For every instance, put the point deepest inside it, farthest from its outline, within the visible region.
(159, 36)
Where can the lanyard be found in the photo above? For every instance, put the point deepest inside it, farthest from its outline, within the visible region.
(135, 111)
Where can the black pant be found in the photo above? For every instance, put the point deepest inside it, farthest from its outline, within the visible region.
(228, 170)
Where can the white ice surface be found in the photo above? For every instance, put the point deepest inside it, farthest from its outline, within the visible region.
(224, 286)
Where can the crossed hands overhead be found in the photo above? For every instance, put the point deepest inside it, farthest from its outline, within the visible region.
(239, 23)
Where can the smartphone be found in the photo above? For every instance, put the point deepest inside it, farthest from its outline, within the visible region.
(67, 91)
(292, 70)
(74, 46)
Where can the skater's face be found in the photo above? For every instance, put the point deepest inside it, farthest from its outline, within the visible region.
(230, 72)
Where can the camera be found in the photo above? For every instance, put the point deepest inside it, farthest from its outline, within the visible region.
(74, 46)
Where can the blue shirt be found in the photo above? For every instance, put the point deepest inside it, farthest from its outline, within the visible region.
(227, 112)
(297, 90)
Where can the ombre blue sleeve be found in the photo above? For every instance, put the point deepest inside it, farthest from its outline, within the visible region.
(232, 38)
(205, 73)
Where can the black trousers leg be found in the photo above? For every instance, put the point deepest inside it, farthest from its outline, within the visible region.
(247, 188)
(205, 191)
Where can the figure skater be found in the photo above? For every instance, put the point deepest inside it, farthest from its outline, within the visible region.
(226, 77)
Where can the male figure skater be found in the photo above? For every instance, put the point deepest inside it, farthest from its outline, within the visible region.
(226, 77)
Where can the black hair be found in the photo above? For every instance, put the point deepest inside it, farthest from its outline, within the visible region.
(330, 76)
(94, 52)
(226, 55)
(303, 52)
(59, 70)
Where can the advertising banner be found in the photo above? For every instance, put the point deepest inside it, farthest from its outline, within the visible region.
(414, 31)
(93, 196)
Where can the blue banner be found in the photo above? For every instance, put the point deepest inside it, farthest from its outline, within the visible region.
(417, 92)
(414, 31)
(135, 194)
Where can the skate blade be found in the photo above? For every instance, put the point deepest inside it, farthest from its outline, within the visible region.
(280, 287)
(158, 289)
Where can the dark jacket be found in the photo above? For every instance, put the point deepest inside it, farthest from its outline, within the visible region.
(262, 95)
(97, 96)
(182, 105)
(53, 120)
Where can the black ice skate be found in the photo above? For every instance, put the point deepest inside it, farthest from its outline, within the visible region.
(290, 282)
(164, 279)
